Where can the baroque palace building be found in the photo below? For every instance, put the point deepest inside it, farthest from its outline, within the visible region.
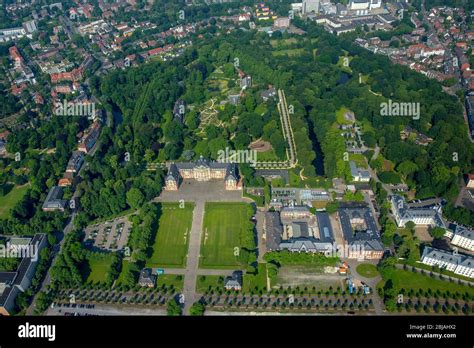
(202, 170)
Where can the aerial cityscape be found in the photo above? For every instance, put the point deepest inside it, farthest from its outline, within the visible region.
(236, 158)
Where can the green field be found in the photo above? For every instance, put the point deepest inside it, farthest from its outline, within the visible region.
(340, 116)
(98, 265)
(359, 160)
(290, 52)
(8, 201)
(220, 240)
(257, 281)
(208, 282)
(170, 279)
(410, 280)
(283, 43)
(121, 277)
(269, 155)
(367, 270)
(171, 242)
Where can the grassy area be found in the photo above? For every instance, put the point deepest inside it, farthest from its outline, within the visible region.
(176, 281)
(340, 118)
(319, 204)
(359, 160)
(8, 201)
(256, 281)
(171, 242)
(269, 155)
(434, 269)
(204, 283)
(261, 109)
(411, 280)
(221, 235)
(283, 43)
(99, 266)
(121, 276)
(367, 270)
(290, 52)
(311, 182)
(259, 200)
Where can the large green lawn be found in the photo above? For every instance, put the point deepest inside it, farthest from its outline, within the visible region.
(410, 280)
(367, 270)
(220, 238)
(171, 242)
(8, 201)
(99, 266)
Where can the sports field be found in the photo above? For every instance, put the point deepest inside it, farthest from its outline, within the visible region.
(220, 244)
(171, 242)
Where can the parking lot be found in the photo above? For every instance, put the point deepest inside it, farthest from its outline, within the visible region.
(101, 310)
(110, 235)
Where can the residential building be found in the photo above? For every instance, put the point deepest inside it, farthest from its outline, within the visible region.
(359, 174)
(310, 6)
(9, 34)
(30, 26)
(456, 263)
(53, 200)
(234, 282)
(246, 82)
(90, 137)
(282, 22)
(75, 162)
(147, 278)
(269, 93)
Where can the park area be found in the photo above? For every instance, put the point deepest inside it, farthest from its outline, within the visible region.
(8, 201)
(97, 268)
(404, 279)
(172, 238)
(223, 225)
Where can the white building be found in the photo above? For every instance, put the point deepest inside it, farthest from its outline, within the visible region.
(9, 34)
(463, 238)
(364, 7)
(427, 216)
(456, 263)
(310, 6)
(359, 174)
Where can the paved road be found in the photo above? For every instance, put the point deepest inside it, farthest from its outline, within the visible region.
(192, 265)
(372, 282)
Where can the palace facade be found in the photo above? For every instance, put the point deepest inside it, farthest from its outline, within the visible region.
(202, 170)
